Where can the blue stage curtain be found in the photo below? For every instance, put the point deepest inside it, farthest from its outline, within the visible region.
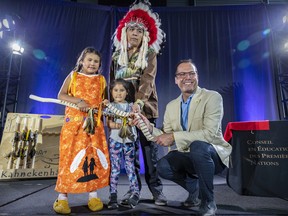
(232, 46)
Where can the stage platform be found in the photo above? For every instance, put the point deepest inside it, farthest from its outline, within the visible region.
(36, 197)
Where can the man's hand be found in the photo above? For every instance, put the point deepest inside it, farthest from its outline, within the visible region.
(166, 139)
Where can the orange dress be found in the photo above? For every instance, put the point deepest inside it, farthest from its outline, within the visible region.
(84, 164)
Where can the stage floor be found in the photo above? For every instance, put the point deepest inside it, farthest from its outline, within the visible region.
(36, 197)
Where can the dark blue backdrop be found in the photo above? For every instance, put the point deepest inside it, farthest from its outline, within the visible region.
(233, 48)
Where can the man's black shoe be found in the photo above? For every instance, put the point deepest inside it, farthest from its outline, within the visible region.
(208, 209)
(160, 199)
(191, 201)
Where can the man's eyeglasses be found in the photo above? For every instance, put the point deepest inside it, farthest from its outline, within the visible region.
(184, 74)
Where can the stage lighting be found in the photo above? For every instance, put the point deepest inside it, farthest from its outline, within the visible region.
(17, 48)
(8, 23)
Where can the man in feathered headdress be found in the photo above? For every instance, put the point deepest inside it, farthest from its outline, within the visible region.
(137, 41)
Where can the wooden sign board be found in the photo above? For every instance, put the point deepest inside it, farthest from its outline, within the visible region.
(30, 146)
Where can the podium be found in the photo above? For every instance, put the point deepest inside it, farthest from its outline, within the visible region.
(259, 158)
(30, 146)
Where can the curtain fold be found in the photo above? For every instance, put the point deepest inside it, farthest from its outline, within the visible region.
(232, 47)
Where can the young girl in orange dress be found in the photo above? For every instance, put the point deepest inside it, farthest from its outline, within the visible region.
(84, 159)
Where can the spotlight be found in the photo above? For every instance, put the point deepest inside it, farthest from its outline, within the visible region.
(17, 48)
(8, 23)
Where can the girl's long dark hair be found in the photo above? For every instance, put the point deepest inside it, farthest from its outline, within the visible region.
(79, 65)
(125, 84)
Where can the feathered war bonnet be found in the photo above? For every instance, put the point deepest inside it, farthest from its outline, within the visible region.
(141, 15)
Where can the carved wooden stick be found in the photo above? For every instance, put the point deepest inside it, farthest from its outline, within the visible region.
(143, 126)
(28, 141)
(20, 150)
(34, 144)
(114, 110)
(65, 103)
(15, 142)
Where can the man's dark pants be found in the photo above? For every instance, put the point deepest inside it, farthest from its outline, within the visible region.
(194, 170)
(150, 157)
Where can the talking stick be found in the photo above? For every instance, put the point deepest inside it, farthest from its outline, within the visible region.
(114, 110)
(28, 140)
(14, 143)
(34, 142)
(142, 125)
(20, 150)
